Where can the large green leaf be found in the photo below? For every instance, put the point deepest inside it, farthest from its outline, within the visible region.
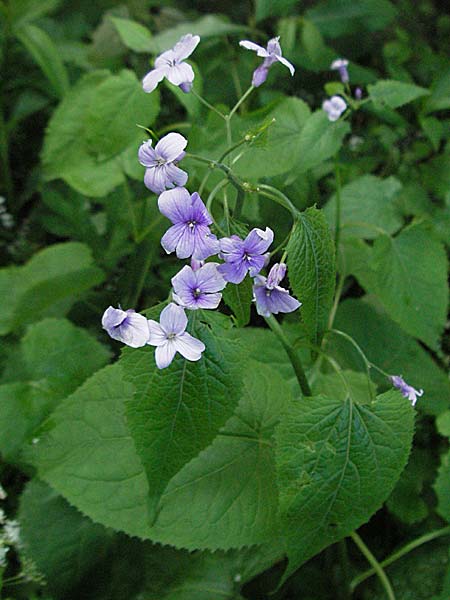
(121, 94)
(46, 55)
(176, 412)
(86, 453)
(410, 283)
(311, 271)
(395, 93)
(134, 35)
(367, 207)
(47, 285)
(388, 347)
(337, 462)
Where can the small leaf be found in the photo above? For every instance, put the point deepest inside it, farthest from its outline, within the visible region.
(134, 35)
(337, 462)
(395, 93)
(311, 270)
(46, 55)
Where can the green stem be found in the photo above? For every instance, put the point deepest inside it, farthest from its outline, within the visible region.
(270, 192)
(131, 211)
(292, 353)
(378, 569)
(172, 126)
(240, 101)
(427, 537)
(337, 231)
(207, 104)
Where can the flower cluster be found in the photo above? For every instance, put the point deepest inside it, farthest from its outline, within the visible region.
(198, 285)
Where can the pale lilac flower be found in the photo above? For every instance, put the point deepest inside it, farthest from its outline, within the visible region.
(270, 298)
(190, 234)
(161, 172)
(241, 256)
(196, 264)
(170, 64)
(334, 107)
(200, 288)
(341, 64)
(271, 55)
(170, 336)
(127, 326)
(407, 390)
(358, 93)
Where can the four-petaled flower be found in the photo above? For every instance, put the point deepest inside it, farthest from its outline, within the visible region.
(170, 336)
(190, 234)
(127, 326)
(161, 172)
(407, 390)
(341, 64)
(270, 298)
(334, 107)
(170, 64)
(271, 55)
(198, 288)
(241, 256)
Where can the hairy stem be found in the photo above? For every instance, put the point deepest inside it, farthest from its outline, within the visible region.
(292, 353)
(423, 539)
(378, 569)
(207, 104)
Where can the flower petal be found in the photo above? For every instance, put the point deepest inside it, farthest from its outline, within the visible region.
(199, 212)
(146, 154)
(176, 176)
(207, 301)
(157, 336)
(189, 347)
(134, 330)
(255, 47)
(206, 243)
(260, 75)
(182, 73)
(258, 241)
(186, 244)
(170, 239)
(176, 205)
(185, 281)
(173, 319)
(186, 46)
(153, 77)
(209, 279)
(273, 46)
(170, 146)
(164, 354)
(155, 179)
(286, 63)
(234, 272)
(112, 317)
(232, 246)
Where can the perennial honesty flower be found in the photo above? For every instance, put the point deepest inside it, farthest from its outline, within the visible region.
(271, 55)
(170, 336)
(198, 288)
(161, 172)
(170, 64)
(127, 326)
(241, 256)
(190, 234)
(341, 64)
(334, 107)
(407, 390)
(270, 298)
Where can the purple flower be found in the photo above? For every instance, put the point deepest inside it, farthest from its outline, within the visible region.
(198, 289)
(334, 107)
(270, 298)
(241, 256)
(161, 172)
(169, 337)
(127, 326)
(190, 234)
(407, 390)
(271, 55)
(358, 93)
(170, 64)
(341, 64)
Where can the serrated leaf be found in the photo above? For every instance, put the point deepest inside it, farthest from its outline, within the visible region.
(367, 207)
(337, 462)
(410, 283)
(339, 385)
(176, 412)
(46, 55)
(239, 299)
(391, 349)
(134, 35)
(395, 93)
(311, 270)
(47, 285)
(121, 94)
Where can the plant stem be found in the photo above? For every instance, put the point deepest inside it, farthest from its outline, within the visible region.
(337, 231)
(270, 192)
(427, 537)
(292, 353)
(207, 104)
(240, 101)
(378, 569)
